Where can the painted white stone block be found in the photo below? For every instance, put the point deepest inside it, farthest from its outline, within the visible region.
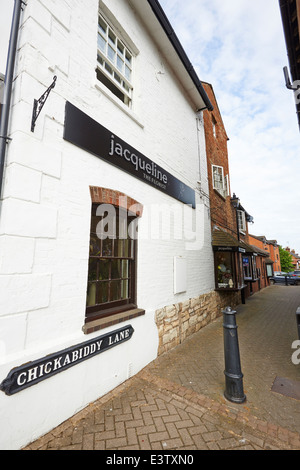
(12, 335)
(16, 254)
(22, 293)
(27, 219)
(22, 183)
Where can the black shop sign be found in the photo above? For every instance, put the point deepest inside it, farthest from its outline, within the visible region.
(34, 372)
(86, 133)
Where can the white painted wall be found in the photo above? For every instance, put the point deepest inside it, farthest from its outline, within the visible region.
(45, 213)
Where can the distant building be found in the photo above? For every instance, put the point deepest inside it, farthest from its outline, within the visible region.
(269, 246)
(239, 267)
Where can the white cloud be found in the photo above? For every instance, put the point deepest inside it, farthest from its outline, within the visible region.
(238, 46)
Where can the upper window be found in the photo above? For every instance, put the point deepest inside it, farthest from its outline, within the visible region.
(220, 183)
(241, 220)
(114, 62)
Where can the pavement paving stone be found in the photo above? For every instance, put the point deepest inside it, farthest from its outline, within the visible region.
(177, 402)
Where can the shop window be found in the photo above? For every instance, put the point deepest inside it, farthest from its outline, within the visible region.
(225, 270)
(254, 269)
(114, 62)
(247, 270)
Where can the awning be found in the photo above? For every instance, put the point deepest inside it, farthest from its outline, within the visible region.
(224, 241)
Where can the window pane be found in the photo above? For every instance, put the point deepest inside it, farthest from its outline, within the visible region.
(102, 25)
(103, 269)
(111, 54)
(127, 250)
(120, 48)
(120, 64)
(116, 269)
(126, 87)
(108, 68)
(127, 73)
(114, 290)
(91, 294)
(128, 58)
(118, 78)
(100, 60)
(101, 43)
(102, 292)
(107, 247)
(125, 268)
(111, 37)
(119, 248)
(95, 245)
(93, 269)
(124, 289)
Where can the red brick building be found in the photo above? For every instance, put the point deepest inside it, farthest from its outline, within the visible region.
(239, 266)
(270, 247)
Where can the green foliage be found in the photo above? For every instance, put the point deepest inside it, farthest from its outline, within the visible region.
(285, 260)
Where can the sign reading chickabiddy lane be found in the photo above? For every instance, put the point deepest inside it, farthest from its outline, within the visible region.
(33, 372)
(89, 135)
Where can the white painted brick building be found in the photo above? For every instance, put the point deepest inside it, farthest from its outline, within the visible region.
(46, 199)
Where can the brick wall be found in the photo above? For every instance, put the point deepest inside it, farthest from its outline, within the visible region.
(222, 211)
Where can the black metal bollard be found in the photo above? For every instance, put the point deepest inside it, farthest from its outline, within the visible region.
(233, 375)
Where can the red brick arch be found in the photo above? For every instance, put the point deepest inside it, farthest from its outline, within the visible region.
(111, 196)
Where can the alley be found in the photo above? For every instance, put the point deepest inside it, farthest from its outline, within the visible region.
(177, 402)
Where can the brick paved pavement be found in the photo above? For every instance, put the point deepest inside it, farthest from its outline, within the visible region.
(177, 402)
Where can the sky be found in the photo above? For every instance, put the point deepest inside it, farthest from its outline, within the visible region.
(238, 46)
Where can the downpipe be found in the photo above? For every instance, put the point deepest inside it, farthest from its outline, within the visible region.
(10, 65)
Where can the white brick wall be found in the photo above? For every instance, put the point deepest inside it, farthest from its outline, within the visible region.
(45, 215)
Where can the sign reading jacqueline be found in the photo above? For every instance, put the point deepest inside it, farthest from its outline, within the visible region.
(88, 134)
(33, 372)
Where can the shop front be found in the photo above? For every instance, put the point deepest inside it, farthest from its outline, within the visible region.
(228, 262)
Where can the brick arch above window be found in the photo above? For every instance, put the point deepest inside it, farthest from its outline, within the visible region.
(101, 195)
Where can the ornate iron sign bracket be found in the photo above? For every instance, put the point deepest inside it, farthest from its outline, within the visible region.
(38, 104)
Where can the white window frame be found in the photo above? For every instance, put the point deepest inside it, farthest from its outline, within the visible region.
(227, 185)
(112, 55)
(220, 184)
(214, 126)
(241, 220)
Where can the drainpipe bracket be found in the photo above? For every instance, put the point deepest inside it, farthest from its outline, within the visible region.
(7, 139)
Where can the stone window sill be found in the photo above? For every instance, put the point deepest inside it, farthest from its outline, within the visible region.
(101, 323)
